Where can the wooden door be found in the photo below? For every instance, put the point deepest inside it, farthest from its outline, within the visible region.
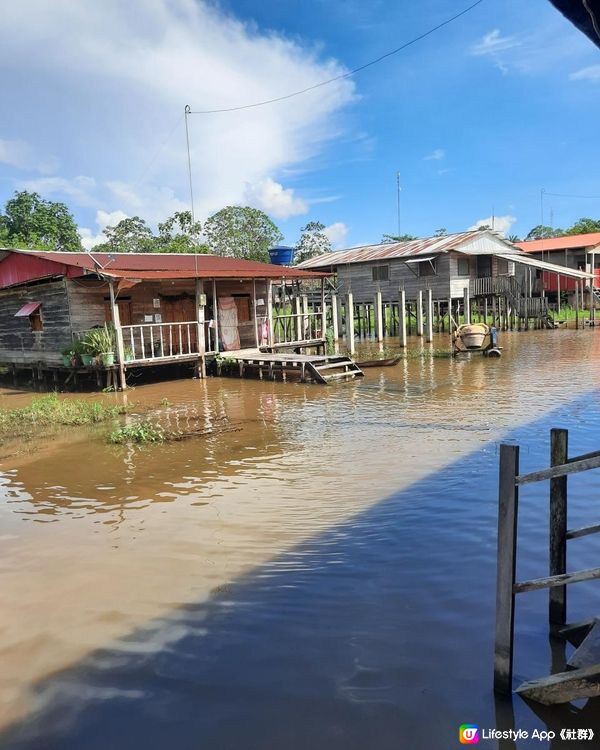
(243, 309)
(124, 312)
(181, 310)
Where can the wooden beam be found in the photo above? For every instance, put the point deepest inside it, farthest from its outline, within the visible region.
(270, 311)
(402, 314)
(378, 317)
(323, 313)
(350, 322)
(334, 321)
(467, 305)
(572, 467)
(560, 580)
(585, 531)
(118, 335)
(420, 312)
(216, 314)
(254, 313)
(200, 327)
(508, 503)
(563, 687)
(558, 527)
(429, 315)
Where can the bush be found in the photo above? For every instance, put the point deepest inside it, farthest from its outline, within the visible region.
(142, 432)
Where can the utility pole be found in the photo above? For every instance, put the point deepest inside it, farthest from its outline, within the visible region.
(187, 111)
(398, 193)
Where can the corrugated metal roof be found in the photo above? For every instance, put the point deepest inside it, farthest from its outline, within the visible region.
(28, 309)
(526, 260)
(568, 242)
(386, 251)
(184, 265)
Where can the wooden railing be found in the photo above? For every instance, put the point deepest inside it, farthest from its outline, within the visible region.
(154, 341)
(507, 587)
(304, 325)
(489, 285)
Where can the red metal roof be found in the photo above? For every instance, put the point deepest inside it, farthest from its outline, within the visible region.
(28, 309)
(568, 242)
(141, 265)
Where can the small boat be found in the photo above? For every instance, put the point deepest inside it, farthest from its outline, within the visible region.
(389, 362)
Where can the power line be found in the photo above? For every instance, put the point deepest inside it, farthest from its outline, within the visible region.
(342, 75)
(571, 195)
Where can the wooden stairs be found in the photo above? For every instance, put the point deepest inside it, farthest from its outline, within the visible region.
(334, 369)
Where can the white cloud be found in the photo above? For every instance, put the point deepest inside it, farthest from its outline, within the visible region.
(80, 189)
(273, 198)
(336, 233)
(591, 73)
(492, 45)
(103, 219)
(129, 69)
(20, 154)
(501, 224)
(436, 155)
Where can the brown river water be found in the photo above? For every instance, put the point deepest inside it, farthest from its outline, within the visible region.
(320, 577)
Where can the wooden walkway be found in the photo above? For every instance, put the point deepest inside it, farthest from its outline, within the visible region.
(318, 368)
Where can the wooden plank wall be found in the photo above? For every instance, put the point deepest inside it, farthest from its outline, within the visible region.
(18, 343)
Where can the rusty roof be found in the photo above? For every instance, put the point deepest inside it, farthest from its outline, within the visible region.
(387, 250)
(567, 242)
(169, 265)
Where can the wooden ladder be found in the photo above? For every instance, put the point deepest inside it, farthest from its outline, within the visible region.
(334, 369)
(581, 676)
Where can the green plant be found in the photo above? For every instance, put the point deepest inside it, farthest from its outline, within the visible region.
(99, 340)
(141, 432)
(329, 341)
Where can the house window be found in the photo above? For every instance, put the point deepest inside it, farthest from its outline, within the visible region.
(32, 311)
(463, 267)
(427, 268)
(380, 273)
(502, 266)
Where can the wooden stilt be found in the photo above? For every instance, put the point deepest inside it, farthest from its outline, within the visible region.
(420, 312)
(350, 322)
(402, 316)
(429, 338)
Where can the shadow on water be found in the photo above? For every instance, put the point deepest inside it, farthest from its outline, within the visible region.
(375, 634)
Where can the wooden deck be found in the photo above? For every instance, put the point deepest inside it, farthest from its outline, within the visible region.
(317, 368)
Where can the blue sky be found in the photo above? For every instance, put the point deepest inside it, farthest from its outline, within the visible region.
(478, 117)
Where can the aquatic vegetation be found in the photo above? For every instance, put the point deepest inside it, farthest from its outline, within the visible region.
(50, 410)
(141, 433)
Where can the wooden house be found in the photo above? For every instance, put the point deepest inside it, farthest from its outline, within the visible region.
(474, 263)
(576, 251)
(165, 308)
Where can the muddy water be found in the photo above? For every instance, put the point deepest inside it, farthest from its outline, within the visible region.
(320, 576)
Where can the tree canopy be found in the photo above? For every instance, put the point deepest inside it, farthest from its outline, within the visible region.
(241, 232)
(180, 234)
(397, 238)
(313, 242)
(30, 221)
(581, 226)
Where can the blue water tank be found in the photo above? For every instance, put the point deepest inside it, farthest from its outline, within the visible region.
(282, 255)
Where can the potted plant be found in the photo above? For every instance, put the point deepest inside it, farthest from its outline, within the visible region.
(128, 353)
(67, 355)
(100, 343)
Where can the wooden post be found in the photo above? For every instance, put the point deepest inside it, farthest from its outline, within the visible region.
(215, 314)
(467, 305)
(323, 316)
(270, 311)
(340, 314)
(350, 322)
(450, 327)
(402, 314)
(495, 311)
(200, 326)
(378, 317)
(576, 304)
(298, 311)
(558, 294)
(118, 334)
(256, 338)
(592, 280)
(558, 527)
(508, 502)
(420, 312)
(334, 321)
(485, 309)
(429, 315)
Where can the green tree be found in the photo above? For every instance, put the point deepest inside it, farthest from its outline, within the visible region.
(441, 232)
(131, 235)
(543, 232)
(30, 221)
(313, 242)
(584, 226)
(241, 232)
(397, 238)
(180, 234)
(512, 238)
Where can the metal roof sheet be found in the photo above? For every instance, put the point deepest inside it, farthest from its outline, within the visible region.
(386, 251)
(28, 309)
(184, 265)
(568, 242)
(526, 260)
